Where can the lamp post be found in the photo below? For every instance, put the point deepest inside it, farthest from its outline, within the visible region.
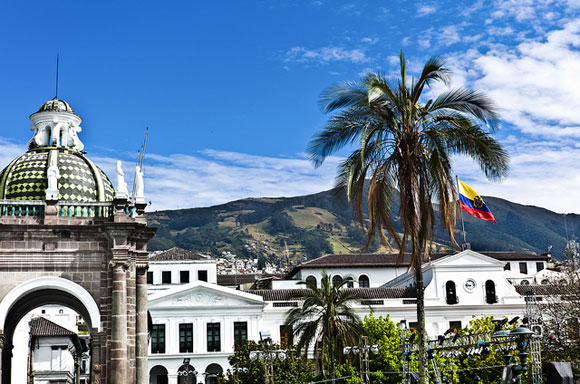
(268, 356)
(188, 372)
(362, 351)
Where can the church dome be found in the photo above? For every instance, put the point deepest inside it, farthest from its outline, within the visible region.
(55, 168)
(79, 179)
(56, 105)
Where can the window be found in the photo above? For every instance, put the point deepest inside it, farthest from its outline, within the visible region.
(149, 277)
(312, 280)
(202, 275)
(58, 358)
(524, 268)
(363, 281)
(240, 333)
(455, 325)
(184, 277)
(539, 266)
(490, 296)
(185, 338)
(349, 283)
(158, 338)
(451, 292)
(166, 277)
(507, 266)
(286, 335)
(336, 280)
(213, 337)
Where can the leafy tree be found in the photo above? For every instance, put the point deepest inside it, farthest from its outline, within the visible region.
(325, 320)
(384, 333)
(406, 144)
(292, 370)
(561, 314)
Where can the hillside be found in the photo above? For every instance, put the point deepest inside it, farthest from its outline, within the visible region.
(321, 223)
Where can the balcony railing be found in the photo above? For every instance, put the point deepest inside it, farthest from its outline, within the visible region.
(22, 208)
(37, 208)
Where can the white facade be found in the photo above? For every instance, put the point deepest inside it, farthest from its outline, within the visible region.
(53, 361)
(175, 271)
(481, 287)
(203, 306)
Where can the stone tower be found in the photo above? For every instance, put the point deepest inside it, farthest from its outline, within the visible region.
(67, 238)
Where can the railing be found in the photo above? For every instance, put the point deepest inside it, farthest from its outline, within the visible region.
(91, 209)
(22, 208)
(37, 208)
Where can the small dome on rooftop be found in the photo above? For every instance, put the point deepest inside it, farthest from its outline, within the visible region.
(56, 105)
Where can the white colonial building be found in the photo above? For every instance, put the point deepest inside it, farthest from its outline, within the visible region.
(195, 325)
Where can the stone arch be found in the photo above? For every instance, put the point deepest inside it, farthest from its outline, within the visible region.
(36, 293)
(36, 286)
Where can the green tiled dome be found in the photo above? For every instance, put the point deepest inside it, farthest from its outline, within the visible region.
(80, 180)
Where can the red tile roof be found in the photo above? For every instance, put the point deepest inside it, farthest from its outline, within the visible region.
(363, 293)
(382, 260)
(177, 253)
(39, 326)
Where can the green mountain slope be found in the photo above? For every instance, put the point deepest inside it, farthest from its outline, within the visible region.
(312, 225)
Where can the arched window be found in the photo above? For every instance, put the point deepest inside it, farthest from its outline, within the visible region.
(490, 296)
(363, 281)
(186, 374)
(336, 280)
(158, 375)
(312, 280)
(451, 292)
(212, 372)
(350, 282)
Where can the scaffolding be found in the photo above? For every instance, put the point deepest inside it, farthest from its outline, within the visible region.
(534, 316)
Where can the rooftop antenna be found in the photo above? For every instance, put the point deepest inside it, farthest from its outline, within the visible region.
(140, 155)
(56, 96)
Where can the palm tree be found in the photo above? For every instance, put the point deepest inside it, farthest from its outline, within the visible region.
(325, 319)
(406, 144)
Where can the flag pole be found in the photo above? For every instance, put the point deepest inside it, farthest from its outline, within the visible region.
(461, 210)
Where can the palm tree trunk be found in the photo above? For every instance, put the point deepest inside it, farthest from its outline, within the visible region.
(423, 364)
(332, 368)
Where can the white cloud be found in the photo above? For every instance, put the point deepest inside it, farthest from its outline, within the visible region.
(216, 177)
(424, 9)
(537, 86)
(325, 55)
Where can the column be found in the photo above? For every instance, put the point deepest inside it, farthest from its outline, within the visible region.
(119, 324)
(142, 331)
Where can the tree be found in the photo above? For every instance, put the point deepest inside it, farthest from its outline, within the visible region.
(292, 370)
(406, 144)
(325, 320)
(384, 333)
(561, 313)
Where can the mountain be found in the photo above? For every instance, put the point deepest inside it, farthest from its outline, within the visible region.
(311, 225)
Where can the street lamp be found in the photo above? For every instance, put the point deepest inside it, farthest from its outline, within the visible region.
(362, 351)
(268, 356)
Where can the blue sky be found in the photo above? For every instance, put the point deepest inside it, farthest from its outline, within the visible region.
(229, 89)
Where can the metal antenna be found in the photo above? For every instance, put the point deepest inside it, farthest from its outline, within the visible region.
(56, 96)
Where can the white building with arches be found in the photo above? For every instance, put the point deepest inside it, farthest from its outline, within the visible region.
(187, 317)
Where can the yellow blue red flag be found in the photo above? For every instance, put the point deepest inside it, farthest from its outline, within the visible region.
(472, 203)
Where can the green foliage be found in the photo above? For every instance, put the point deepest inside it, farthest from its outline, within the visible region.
(325, 319)
(382, 331)
(463, 369)
(290, 371)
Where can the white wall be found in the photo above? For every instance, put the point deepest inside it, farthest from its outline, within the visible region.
(377, 276)
(193, 266)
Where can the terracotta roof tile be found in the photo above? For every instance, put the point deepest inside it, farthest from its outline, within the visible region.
(381, 260)
(364, 293)
(177, 253)
(39, 326)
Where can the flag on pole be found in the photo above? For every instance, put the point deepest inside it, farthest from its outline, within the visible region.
(472, 203)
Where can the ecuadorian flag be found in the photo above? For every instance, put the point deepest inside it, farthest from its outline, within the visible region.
(472, 203)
